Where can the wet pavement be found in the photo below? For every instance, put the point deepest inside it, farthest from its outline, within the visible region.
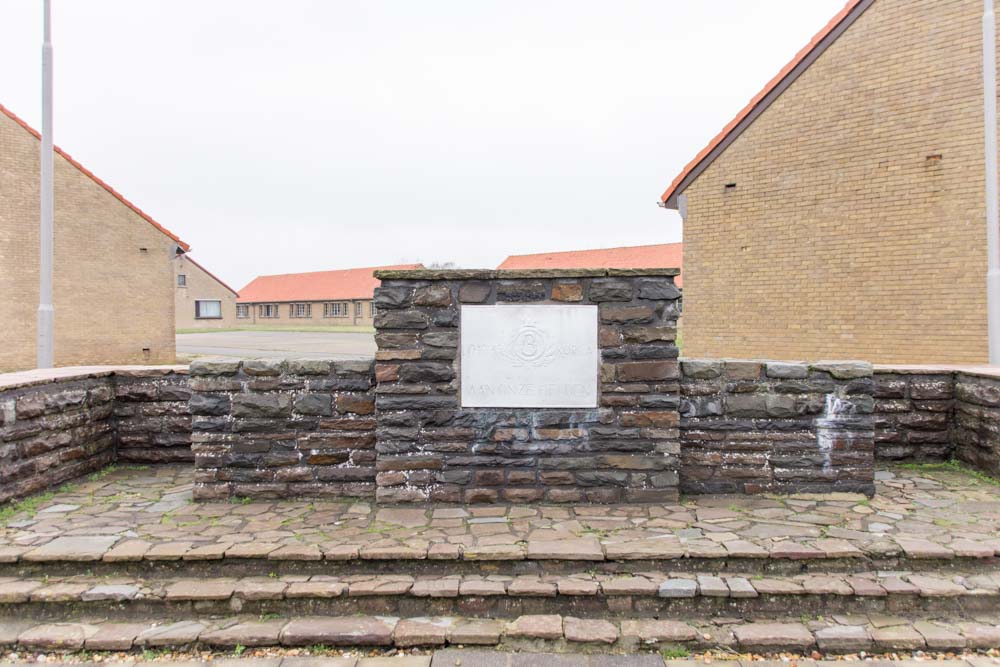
(146, 513)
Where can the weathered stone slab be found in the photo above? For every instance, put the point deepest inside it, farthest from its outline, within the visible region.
(536, 626)
(569, 549)
(115, 592)
(57, 636)
(773, 636)
(421, 632)
(339, 631)
(898, 637)
(115, 636)
(678, 588)
(72, 548)
(180, 633)
(588, 630)
(843, 638)
(649, 631)
(255, 633)
(14, 592)
(477, 631)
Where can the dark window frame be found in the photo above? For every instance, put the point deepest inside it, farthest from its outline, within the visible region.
(197, 309)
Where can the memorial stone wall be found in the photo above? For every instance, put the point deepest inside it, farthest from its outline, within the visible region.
(558, 385)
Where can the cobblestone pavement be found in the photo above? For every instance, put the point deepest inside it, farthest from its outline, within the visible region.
(147, 514)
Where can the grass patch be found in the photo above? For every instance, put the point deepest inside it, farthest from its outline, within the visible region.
(954, 465)
(318, 649)
(151, 654)
(673, 652)
(28, 506)
(102, 473)
(377, 528)
(338, 328)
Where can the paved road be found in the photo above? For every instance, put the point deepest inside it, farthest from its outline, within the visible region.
(287, 344)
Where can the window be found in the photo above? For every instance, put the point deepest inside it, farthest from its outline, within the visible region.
(334, 310)
(371, 308)
(243, 310)
(182, 280)
(207, 310)
(267, 310)
(300, 310)
(357, 308)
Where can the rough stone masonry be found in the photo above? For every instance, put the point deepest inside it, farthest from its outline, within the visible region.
(625, 448)
(398, 430)
(70, 422)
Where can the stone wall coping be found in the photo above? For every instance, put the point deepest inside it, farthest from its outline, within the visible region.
(839, 368)
(277, 365)
(40, 376)
(985, 371)
(514, 274)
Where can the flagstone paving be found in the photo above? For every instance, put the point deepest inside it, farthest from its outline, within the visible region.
(828, 635)
(147, 514)
(479, 658)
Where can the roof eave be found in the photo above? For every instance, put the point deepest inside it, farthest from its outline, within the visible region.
(774, 88)
(92, 176)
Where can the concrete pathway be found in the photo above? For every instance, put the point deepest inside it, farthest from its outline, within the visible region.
(285, 344)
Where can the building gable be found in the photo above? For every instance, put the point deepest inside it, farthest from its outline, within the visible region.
(765, 98)
(117, 195)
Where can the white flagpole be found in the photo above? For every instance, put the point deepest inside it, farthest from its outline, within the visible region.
(46, 312)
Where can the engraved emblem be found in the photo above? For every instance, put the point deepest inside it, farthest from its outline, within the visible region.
(530, 346)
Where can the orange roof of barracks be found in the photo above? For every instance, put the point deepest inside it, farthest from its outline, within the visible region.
(317, 285)
(662, 256)
(142, 214)
(844, 18)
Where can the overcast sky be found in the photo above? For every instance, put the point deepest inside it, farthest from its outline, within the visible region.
(303, 135)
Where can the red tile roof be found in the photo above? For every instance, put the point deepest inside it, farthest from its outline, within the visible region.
(142, 214)
(210, 274)
(317, 285)
(663, 256)
(761, 98)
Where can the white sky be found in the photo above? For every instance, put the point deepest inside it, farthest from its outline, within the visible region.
(305, 135)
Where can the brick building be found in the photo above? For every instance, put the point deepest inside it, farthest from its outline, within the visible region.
(841, 213)
(113, 277)
(201, 300)
(319, 298)
(660, 256)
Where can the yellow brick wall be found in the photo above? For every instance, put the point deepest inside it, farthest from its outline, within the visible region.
(199, 285)
(843, 237)
(111, 298)
(316, 318)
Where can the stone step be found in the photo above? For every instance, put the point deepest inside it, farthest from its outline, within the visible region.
(70, 554)
(657, 594)
(831, 635)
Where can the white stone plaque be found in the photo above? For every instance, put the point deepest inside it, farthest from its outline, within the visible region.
(529, 356)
